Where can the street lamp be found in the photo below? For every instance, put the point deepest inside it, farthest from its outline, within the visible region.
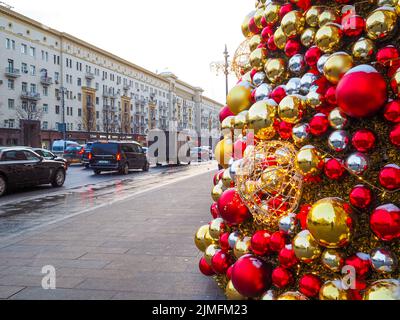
(224, 67)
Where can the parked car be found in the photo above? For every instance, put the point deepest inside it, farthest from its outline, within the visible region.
(48, 155)
(73, 154)
(87, 149)
(21, 167)
(209, 150)
(199, 154)
(59, 146)
(118, 156)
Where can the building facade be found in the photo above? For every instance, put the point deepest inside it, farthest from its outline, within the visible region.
(54, 86)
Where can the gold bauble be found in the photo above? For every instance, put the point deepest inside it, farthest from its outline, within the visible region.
(208, 240)
(245, 25)
(291, 109)
(314, 100)
(227, 179)
(312, 16)
(242, 247)
(337, 65)
(328, 38)
(199, 238)
(261, 118)
(227, 125)
(330, 223)
(333, 290)
(306, 247)
(258, 58)
(327, 16)
(254, 42)
(271, 13)
(292, 296)
(383, 290)
(211, 252)
(381, 23)
(272, 179)
(217, 191)
(258, 17)
(309, 161)
(232, 294)
(293, 23)
(241, 120)
(216, 228)
(250, 187)
(223, 152)
(308, 37)
(333, 260)
(363, 50)
(395, 83)
(280, 38)
(239, 98)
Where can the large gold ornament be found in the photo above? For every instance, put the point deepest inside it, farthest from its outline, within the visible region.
(292, 296)
(309, 161)
(333, 290)
(239, 98)
(240, 62)
(268, 182)
(275, 70)
(291, 109)
(254, 42)
(242, 247)
(333, 260)
(363, 49)
(306, 247)
(330, 223)
(217, 191)
(271, 13)
(308, 37)
(210, 252)
(261, 118)
(216, 228)
(258, 58)
(280, 38)
(223, 152)
(293, 23)
(232, 294)
(258, 17)
(312, 16)
(328, 38)
(327, 16)
(199, 238)
(245, 25)
(337, 65)
(381, 23)
(383, 290)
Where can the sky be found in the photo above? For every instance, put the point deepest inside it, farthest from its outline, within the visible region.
(181, 36)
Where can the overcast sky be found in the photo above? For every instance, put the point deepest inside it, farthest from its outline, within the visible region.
(182, 36)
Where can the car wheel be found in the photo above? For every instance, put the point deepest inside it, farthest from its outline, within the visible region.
(87, 166)
(146, 167)
(97, 172)
(125, 169)
(58, 179)
(3, 186)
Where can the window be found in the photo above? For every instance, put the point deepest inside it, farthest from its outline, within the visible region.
(79, 112)
(24, 87)
(32, 51)
(79, 96)
(10, 44)
(79, 82)
(24, 49)
(11, 84)
(45, 108)
(33, 88)
(57, 109)
(45, 91)
(11, 103)
(56, 76)
(30, 156)
(24, 68)
(97, 100)
(45, 125)
(33, 70)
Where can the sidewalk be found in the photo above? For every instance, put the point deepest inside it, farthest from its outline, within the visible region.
(140, 248)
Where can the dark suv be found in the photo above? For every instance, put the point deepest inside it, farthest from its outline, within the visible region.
(87, 149)
(118, 156)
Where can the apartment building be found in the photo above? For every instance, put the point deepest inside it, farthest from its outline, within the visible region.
(54, 85)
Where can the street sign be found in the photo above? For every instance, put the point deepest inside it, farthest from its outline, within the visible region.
(62, 127)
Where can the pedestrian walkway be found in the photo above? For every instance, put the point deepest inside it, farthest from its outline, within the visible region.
(140, 248)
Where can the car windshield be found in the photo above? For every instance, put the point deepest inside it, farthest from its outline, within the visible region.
(105, 148)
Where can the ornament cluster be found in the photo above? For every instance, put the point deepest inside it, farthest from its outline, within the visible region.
(309, 187)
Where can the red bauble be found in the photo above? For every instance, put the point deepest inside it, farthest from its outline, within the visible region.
(312, 56)
(278, 94)
(330, 96)
(260, 243)
(392, 111)
(364, 140)
(287, 257)
(367, 97)
(267, 33)
(285, 130)
(285, 9)
(281, 278)
(310, 285)
(238, 149)
(353, 26)
(253, 27)
(319, 124)
(277, 241)
(221, 262)
(292, 47)
(361, 197)
(251, 276)
(214, 211)
(205, 268)
(361, 263)
(395, 136)
(229, 273)
(387, 56)
(271, 44)
(225, 113)
(385, 222)
(224, 241)
(303, 215)
(389, 177)
(232, 208)
(334, 169)
(302, 4)
(218, 176)
(357, 294)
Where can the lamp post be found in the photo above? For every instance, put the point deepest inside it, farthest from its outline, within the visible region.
(223, 67)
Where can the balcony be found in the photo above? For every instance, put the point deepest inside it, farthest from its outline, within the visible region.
(12, 73)
(89, 75)
(126, 87)
(46, 81)
(34, 96)
(106, 94)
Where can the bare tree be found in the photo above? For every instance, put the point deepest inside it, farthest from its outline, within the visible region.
(29, 112)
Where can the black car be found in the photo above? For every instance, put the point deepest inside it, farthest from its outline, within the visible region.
(118, 156)
(48, 155)
(87, 149)
(21, 167)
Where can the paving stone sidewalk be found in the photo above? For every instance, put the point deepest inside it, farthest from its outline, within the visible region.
(138, 249)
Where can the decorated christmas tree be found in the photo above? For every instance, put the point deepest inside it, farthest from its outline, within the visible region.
(307, 205)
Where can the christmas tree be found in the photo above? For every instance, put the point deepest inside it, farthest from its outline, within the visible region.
(307, 205)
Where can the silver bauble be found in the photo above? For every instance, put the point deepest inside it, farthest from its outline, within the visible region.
(293, 86)
(338, 120)
(383, 261)
(357, 164)
(233, 170)
(263, 92)
(287, 224)
(306, 82)
(339, 141)
(301, 133)
(321, 62)
(233, 238)
(258, 78)
(297, 64)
